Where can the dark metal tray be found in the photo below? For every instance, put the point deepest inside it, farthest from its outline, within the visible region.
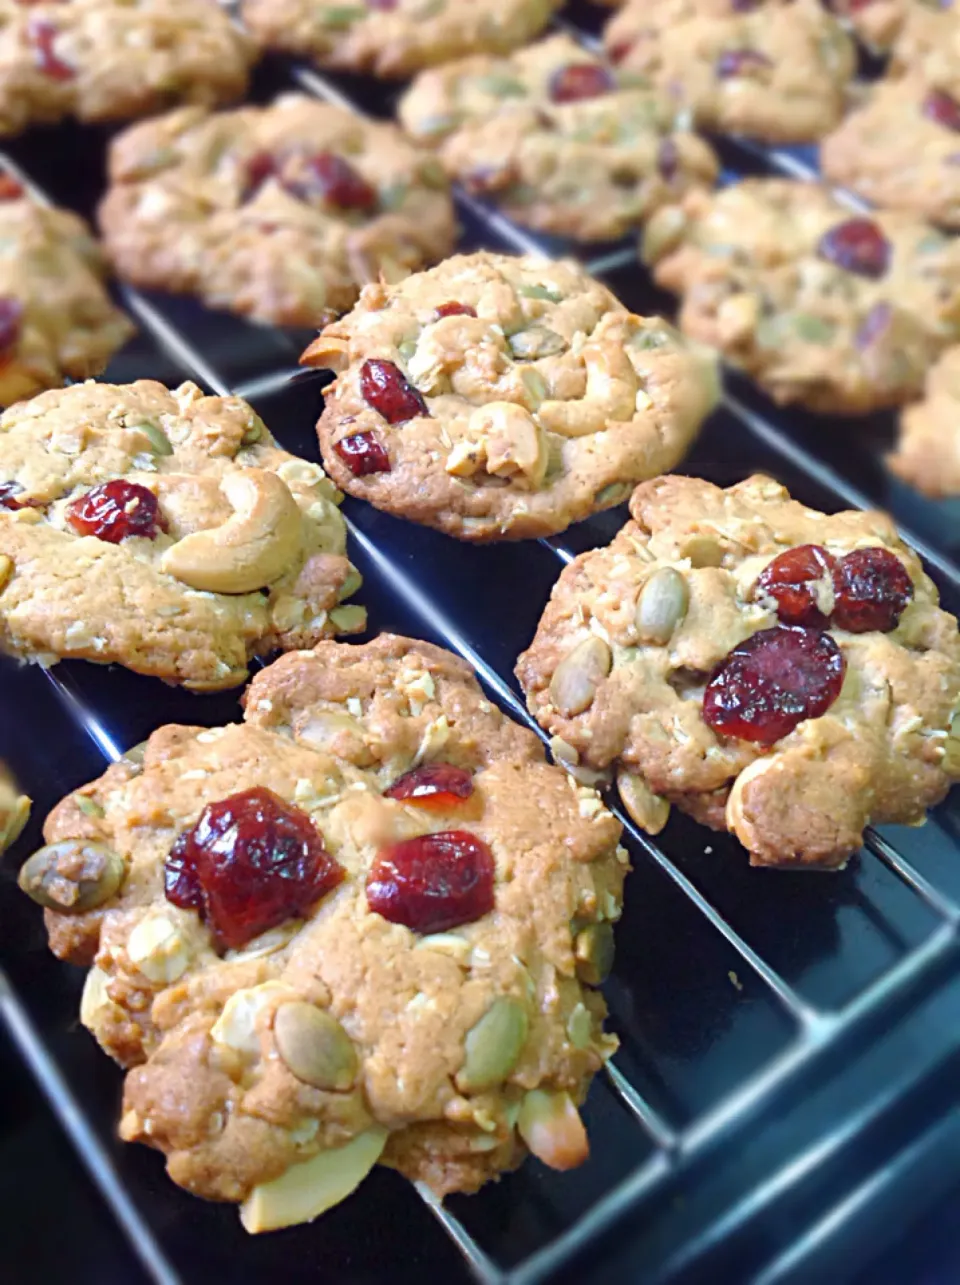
(783, 1103)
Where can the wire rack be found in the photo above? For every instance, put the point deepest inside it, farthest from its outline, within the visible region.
(817, 1029)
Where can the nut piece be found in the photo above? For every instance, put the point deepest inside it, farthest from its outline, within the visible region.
(951, 749)
(493, 1046)
(14, 814)
(661, 606)
(95, 1002)
(72, 876)
(575, 680)
(551, 1127)
(236, 1027)
(252, 548)
(157, 949)
(307, 1190)
(649, 810)
(6, 571)
(314, 1046)
(594, 951)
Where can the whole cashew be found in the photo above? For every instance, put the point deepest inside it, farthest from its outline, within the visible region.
(610, 395)
(252, 548)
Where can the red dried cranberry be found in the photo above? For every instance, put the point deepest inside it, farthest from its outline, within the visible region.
(11, 318)
(41, 34)
(668, 159)
(871, 588)
(773, 681)
(363, 453)
(617, 52)
(579, 80)
(384, 6)
(856, 245)
(258, 168)
(113, 511)
(8, 493)
(434, 882)
(10, 189)
(250, 862)
(385, 387)
(339, 184)
(456, 310)
(740, 62)
(437, 786)
(939, 106)
(791, 579)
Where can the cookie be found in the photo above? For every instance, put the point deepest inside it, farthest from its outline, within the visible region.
(836, 311)
(163, 531)
(102, 60)
(394, 38)
(928, 47)
(928, 449)
(876, 22)
(56, 319)
(775, 71)
(278, 213)
(501, 398)
(773, 671)
(412, 983)
(558, 138)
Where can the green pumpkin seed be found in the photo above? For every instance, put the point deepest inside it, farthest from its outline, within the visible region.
(341, 16)
(393, 197)
(159, 442)
(535, 385)
(314, 1047)
(501, 86)
(72, 876)
(493, 1046)
(931, 243)
(813, 329)
(539, 292)
(611, 494)
(350, 585)
(253, 434)
(594, 951)
(349, 619)
(661, 606)
(89, 807)
(537, 342)
(576, 679)
(644, 340)
(433, 175)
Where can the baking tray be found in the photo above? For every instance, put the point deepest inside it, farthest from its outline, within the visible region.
(783, 1102)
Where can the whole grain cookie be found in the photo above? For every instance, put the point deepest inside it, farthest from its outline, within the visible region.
(836, 311)
(501, 398)
(163, 531)
(56, 319)
(771, 670)
(928, 449)
(104, 60)
(876, 22)
(411, 982)
(775, 71)
(279, 213)
(561, 140)
(394, 38)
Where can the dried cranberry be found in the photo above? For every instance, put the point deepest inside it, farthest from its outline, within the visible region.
(8, 493)
(791, 579)
(250, 862)
(384, 6)
(434, 882)
(113, 511)
(437, 786)
(617, 52)
(857, 245)
(668, 159)
(385, 387)
(10, 189)
(363, 453)
(773, 681)
(11, 319)
(579, 80)
(945, 110)
(456, 310)
(335, 179)
(41, 34)
(259, 167)
(740, 62)
(871, 588)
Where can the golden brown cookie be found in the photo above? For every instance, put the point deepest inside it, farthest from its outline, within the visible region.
(771, 670)
(163, 531)
(412, 982)
(928, 450)
(280, 213)
(501, 398)
(876, 22)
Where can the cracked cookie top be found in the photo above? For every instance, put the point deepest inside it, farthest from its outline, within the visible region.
(495, 397)
(772, 670)
(413, 980)
(104, 60)
(163, 531)
(280, 213)
(835, 310)
(928, 449)
(560, 139)
(394, 38)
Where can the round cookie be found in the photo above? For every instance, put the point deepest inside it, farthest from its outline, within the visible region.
(928, 449)
(163, 531)
(876, 22)
(928, 46)
(57, 321)
(774, 71)
(839, 312)
(501, 398)
(558, 138)
(101, 60)
(278, 213)
(792, 706)
(394, 38)
(434, 1013)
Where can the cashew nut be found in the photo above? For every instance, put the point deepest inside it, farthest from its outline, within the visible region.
(610, 396)
(252, 548)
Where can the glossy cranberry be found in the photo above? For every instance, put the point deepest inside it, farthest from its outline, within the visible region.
(335, 179)
(579, 80)
(773, 681)
(385, 387)
(113, 511)
(939, 106)
(363, 453)
(856, 245)
(617, 52)
(41, 35)
(668, 159)
(250, 862)
(871, 588)
(11, 318)
(456, 310)
(791, 581)
(259, 167)
(437, 786)
(8, 496)
(740, 62)
(10, 189)
(433, 883)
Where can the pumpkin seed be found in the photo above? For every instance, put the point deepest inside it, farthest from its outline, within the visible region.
(575, 680)
(339, 17)
(89, 807)
(493, 1046)
(72, 876)
(662, 604)
(611, 494)
(536, 342)
(649, 810)
(594, 952)
(314, 1046)
(539, 292)
(501, 86)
